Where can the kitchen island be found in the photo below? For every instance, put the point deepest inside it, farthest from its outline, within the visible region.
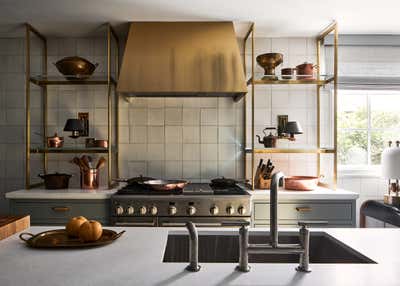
(136, 259)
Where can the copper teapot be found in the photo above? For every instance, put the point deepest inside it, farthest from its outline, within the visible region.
(269, 140)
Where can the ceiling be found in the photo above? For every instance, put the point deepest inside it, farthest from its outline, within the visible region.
(273, 18)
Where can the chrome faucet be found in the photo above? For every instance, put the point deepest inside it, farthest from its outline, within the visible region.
(274, 247)
(193, 248)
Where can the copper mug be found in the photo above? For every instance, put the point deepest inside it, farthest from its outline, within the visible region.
(90, 179)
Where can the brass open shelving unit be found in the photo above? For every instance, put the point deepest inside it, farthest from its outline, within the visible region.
(44, 80)
(320, 82)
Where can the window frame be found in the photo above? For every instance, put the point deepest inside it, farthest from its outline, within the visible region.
(365, 169)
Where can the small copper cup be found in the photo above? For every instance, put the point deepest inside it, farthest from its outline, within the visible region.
(90, 179)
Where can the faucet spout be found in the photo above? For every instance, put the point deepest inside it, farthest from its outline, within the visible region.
(193, 247)
(275, 180)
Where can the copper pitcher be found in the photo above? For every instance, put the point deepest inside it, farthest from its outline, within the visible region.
(90, 179)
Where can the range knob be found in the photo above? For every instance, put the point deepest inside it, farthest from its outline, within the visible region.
(119, 210)
(130, 210)
(142, 210)
(172, 210)
(230, 210)
(241, 210)
(153, 210)
(191, 210)
(214, 210)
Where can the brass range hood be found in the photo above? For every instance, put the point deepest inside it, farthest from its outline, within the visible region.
(182, 59)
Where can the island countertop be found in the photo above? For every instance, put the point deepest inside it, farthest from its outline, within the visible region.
(136, 259)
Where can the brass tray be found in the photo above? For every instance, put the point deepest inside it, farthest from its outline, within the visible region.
(58, 238)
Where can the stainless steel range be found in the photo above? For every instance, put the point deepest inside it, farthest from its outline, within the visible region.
(205, 205)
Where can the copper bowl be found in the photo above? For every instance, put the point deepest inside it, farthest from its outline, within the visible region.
(269, 62)
(301, 183)
(74, 68)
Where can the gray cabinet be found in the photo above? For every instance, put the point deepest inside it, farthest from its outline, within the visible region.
(340, 213)
(59, 211)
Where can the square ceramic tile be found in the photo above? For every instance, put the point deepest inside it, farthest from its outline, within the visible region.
(136, 152)
(137, 168)
(191, 169)
(191, 116)
(156, 102)
(138, 134)
(227, 169)
(173, 169)
(209, 152)
(191, 134)
(155, 134)
(208, 116)
(209, 134)
(191, 152)
(227, 134)
(155, 169)
(209, 169)
(226, 117)
(227, 152)
(155, 116)
(173, 134)
(173, 151)
(155, 152)
(138, 116)
(173, 116)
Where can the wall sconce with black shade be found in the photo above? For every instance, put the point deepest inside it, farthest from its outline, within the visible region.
(75, 126)
(292, 128)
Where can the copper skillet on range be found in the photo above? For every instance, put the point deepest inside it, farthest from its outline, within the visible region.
(155, 184)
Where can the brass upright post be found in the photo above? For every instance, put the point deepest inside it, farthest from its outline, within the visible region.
(318, 42)
(45, 114)
(252, 108)
(109, 163)
(335, 86)
(27, 107)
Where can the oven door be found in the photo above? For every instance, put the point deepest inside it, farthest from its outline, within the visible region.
(198, 221)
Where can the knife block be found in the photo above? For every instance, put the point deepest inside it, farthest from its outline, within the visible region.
(264, 184)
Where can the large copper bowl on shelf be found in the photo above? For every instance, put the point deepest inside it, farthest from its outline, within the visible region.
(269, 62)
(74, 68)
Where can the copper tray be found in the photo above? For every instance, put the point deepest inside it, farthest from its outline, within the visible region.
(58, 238)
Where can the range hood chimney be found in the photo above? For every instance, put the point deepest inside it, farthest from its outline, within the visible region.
(182, 59)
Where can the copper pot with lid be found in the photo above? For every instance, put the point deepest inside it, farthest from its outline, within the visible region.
(56, 180)
(305, 71)
(55, 141)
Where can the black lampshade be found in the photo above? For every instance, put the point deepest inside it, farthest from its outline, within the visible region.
(293, 127)
(74, 125)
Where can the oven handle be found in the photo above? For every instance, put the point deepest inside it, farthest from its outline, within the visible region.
(178, 224)
(134, 224)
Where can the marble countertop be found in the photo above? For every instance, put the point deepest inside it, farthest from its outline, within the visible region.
(136, 259)
(66, 194)
(284, 195)
(318, 194)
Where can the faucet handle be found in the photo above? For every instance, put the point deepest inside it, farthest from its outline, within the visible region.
(305, 223)
(235, 223)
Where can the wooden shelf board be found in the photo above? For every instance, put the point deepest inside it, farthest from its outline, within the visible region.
(291, 150)
(324, 81)
(69, 150)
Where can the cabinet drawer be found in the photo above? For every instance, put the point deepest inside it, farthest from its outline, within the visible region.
(306, 211)
(61, 211)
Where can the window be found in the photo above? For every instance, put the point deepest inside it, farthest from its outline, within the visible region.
(367, 120)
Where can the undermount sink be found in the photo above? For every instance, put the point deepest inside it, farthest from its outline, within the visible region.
(224, 248)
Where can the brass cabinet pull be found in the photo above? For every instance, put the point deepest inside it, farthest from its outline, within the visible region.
(60, 209)
(303, 209)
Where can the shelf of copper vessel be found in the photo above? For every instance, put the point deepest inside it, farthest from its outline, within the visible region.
(323, 81)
